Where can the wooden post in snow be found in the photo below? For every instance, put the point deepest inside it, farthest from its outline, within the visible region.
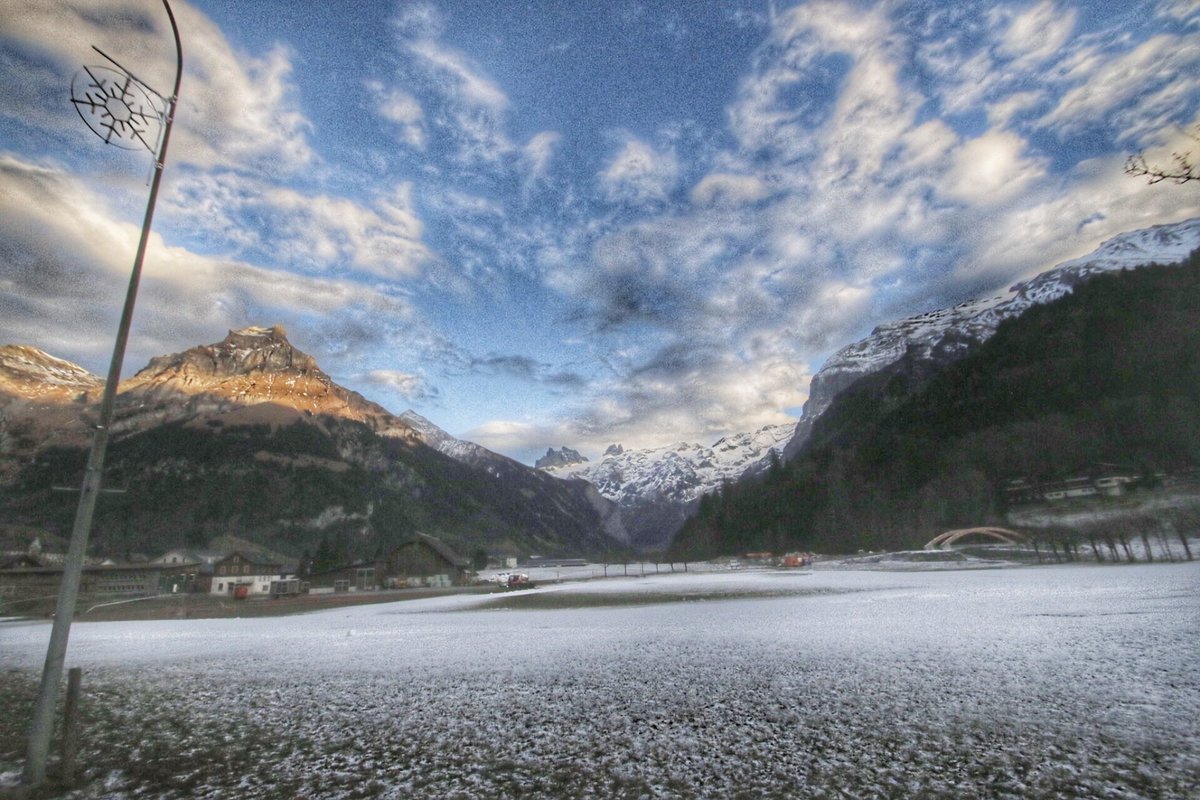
(70, 740)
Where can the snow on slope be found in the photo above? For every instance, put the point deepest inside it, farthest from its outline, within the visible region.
(443, 442)
(679, 472)
(27, 372)
(976, 320)
(947, 334)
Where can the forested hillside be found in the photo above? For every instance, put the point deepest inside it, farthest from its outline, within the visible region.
(305, 484)
(1109, 374)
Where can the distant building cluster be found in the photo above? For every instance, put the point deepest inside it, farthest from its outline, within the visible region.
(421, 561)
(787, 560)
(1109, 484)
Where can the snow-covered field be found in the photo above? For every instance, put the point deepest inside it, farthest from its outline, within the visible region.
(1056, 681)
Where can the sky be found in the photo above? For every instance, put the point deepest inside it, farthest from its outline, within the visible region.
(541, 224)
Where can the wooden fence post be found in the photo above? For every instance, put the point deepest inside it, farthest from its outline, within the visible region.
(70, 740)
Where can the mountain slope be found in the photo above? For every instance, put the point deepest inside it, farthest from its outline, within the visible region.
(943, 336)
(249, 436)
(1106, 375)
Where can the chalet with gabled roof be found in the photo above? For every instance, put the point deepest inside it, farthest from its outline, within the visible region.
(240, 575)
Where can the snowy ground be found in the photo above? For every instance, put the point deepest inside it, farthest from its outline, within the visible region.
(1054, 681)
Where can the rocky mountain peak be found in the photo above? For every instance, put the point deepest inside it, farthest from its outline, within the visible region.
(255, 369)
(563, 457)
(242, 352)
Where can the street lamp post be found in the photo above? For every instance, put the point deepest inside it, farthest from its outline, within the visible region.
(118, 117)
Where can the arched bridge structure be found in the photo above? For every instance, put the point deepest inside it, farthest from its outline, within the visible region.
(945, 540)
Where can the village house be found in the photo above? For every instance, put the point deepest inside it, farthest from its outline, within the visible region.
(421, 560)
(135, 580)
(238, 575)
(1110, 483)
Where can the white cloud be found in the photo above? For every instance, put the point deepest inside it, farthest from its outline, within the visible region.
(927, 145)
(464, 80)
(400, 107)
(1099, 202)
(727, 189)
(69, 263)
(700, 406)
(1138, 91)
(410, 387)
(991, 169)
(234, 109)
(300, 230)
(538, 151)
(1037, 34)
(639, 174)
(330, 231)
(1002, 111)
(470, 107)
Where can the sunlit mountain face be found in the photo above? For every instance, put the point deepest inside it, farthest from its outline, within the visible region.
(581, 224)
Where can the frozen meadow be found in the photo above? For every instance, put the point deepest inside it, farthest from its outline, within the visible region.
(1053, 681)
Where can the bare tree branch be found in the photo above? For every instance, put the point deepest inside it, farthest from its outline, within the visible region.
(1183, 170)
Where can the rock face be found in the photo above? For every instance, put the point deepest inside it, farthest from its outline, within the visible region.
(940, 337)
(657, 488)
(249, 367)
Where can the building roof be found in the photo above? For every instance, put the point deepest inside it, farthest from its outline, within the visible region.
(93, 568)
(251, 561)
(441, 548)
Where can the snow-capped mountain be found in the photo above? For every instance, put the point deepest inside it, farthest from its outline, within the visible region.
(505, 468)
(947, 334)
(657, 487)
(564, 457)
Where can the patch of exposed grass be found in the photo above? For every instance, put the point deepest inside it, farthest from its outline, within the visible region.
(543, 601)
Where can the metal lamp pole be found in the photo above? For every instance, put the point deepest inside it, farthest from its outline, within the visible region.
(42, 727)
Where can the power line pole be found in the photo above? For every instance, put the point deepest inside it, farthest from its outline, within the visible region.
(115, 108)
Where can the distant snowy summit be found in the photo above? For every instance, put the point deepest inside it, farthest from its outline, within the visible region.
(564, 457)
(681, 472)
(948, 334)
(657, 487)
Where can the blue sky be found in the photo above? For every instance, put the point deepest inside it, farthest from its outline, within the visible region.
(542, 224)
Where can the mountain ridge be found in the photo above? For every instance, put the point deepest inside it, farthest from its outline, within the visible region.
(179, 414)
(945, 335)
